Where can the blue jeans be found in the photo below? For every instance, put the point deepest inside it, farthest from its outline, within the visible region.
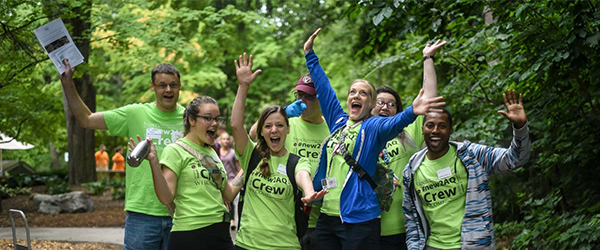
(147, 232)
(331, 233)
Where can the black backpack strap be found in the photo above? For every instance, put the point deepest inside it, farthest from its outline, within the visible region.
(300, 217)
(359, 170)
(252, 164)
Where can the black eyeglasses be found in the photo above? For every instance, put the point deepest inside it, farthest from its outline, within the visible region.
(301, 95)
(171, 85)
(209, 120)
(389, 104)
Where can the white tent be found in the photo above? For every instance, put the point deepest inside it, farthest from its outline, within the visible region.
(10, 143)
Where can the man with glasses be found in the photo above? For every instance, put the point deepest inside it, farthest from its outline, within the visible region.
(148, 223)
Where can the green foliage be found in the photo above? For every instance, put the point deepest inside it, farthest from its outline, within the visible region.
(56, 184)
(95, 188)
(6, 191)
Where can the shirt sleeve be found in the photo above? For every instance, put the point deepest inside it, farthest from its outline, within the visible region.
(172, 159)
(116, 120)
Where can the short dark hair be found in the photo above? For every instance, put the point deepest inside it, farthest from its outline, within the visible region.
(386, 89)
(165, 68)
(445, 111)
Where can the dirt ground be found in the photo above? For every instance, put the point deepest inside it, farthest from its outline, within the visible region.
(107, 213)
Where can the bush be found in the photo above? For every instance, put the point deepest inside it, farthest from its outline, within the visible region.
(6, 191)
(117, 193)
(96, 188)
(60, 188)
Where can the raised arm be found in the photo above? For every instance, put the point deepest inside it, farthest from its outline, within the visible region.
(243, 70)
(164, 179)
(497, 160)
(82, 113)
(429, 76)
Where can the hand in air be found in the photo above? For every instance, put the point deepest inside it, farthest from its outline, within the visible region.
(314, 196)
(516, 111)
(422, 105)
(308, 45)
(243, 70)
(430, 49)
(68, 74)
(295, 109)
(151, 153)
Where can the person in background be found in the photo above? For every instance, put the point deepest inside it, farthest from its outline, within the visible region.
(398, 151)
(101, 159)
(147, 223)
(447, 201)
(232, 166)
(118, 160)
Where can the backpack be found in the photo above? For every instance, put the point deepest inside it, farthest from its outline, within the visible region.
(300, 216)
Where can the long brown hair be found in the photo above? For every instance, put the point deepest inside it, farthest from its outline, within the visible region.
(262, 146)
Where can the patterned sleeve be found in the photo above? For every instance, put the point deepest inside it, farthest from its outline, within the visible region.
(498, 160)
(411, 218)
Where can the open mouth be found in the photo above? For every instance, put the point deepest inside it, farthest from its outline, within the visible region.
(355, 107)
(435, 141)
(275, 141)
(384, 114)
(210, 134)
(168, 98)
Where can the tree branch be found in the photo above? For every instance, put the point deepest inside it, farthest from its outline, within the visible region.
(534, 11)
(9, 80)
(18, 132)
(474, 76)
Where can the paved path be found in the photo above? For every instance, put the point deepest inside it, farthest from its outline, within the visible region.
(112, 235)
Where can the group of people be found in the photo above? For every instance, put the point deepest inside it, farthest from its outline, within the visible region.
(102, 159)
(312, 145)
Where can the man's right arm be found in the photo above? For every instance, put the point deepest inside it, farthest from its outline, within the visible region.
(82, 113)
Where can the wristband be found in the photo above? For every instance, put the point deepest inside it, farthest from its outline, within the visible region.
(427, 57)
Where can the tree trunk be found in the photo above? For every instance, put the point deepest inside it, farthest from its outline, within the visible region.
(82, 165)
(54, 157)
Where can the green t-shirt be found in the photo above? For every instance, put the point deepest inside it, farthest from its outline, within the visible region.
(145, 120)
(199, 202)
(267, 220)
(441, 186)
(392, 222)
(305, 140)
(338, 169)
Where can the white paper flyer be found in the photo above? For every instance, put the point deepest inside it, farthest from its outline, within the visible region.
(57, 42)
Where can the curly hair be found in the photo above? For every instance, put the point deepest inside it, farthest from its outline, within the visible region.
(262, 146)
(192, 110)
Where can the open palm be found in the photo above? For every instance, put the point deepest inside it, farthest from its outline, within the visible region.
(515, 112)
(243, 70)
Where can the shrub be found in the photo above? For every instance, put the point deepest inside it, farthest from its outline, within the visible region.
(96, 188)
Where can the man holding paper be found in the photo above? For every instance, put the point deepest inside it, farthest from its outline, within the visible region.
(148, 223)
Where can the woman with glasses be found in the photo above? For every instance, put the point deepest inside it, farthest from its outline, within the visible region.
(398, 151)
(349, 215)
(267, 220)
(191, 175)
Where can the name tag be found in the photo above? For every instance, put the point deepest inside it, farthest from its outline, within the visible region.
(444, 173)
(153, 133)
(282, 169)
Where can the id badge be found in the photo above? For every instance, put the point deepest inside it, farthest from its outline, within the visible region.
(324, 183)
(444, 173)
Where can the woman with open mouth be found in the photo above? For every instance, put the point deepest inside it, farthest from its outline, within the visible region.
(267, 218)
(349, 215)
(191, 175)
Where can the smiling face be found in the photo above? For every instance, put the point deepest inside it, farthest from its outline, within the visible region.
(385, 109)
(360, 100)
(436, 132)
(201, 131)
(166, 90)
(274, 131)
(225, 140)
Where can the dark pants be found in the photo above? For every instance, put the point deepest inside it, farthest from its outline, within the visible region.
(215, 236)
(146, 232)
(308, 243)
(393, 242)
(331, 233)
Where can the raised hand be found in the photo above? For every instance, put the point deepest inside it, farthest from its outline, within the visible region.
(152, 155)
(243, 70)
(314, 196)
(68, 74)
(430, 50)
(308, 45)
(422, 105)
(516, 111)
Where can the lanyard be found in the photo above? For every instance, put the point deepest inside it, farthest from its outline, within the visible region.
(340, 145)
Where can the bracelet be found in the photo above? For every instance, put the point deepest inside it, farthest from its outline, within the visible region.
(427, 57)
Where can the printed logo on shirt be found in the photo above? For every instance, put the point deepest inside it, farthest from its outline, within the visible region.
(201, 176)
(435, 193)
(306, 148)
(162, 135)
(273, 187)
(393, 147)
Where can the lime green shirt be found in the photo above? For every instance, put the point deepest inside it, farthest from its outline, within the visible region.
(267, 220)
(441, 186)
(392, 222)
(199, 202)
(305, 141)
(338, 169)
(147, 121)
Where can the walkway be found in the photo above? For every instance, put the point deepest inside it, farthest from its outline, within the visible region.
(111, 235)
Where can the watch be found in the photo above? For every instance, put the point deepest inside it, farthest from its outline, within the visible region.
(427, 57)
